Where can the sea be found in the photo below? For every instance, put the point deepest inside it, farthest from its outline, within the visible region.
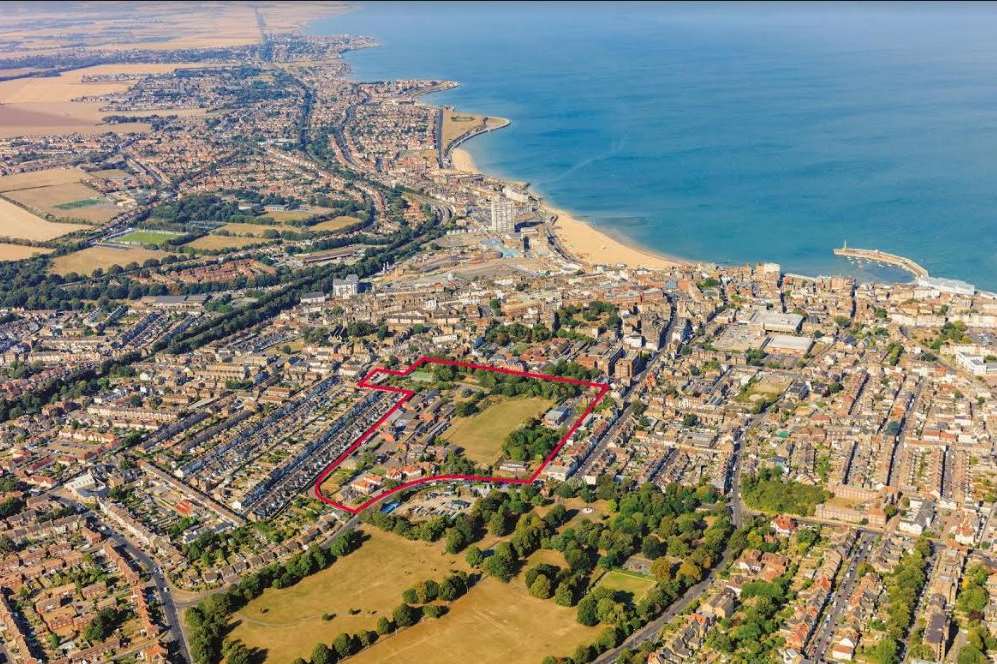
(728, 133)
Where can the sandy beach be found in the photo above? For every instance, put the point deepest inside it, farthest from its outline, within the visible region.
(463, 161)
(594, 247)
(583, 241)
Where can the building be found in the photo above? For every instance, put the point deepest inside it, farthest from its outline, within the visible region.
(348, 286)
(503, 216)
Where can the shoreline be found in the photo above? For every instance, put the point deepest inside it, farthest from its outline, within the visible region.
(583, 241)
(580, 239)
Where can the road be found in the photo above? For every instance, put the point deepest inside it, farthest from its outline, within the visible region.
(857, 554)
(624, 416)
(170, 614)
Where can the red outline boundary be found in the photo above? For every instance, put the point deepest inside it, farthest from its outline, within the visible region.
(364, 382)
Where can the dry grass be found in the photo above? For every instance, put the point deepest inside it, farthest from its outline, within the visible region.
(335, 224)
(288, 622)
(255, 230)
(456, 124)
(216, 242)
(486, 626)
(87, 260)
(296, 215)
(16, 222)
(17, 252)
(47, 199)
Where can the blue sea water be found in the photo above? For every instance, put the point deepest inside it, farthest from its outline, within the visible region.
(729, 133)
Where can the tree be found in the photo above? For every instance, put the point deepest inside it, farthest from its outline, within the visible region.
(586, 613)
(474, 556)
(239, 654)
(456, 541)
(405, 615)
(322, 655)
(564, 595)
(541, 587)
(661, 568)
(344, 645)
(384, 626)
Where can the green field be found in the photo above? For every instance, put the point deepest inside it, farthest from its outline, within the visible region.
(84, 202)
(620, 580)
(481, 435)
(287, 623)
(146, 238)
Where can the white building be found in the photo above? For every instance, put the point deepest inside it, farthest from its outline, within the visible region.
(503, 216)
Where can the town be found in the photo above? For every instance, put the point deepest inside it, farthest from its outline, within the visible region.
(211, 306)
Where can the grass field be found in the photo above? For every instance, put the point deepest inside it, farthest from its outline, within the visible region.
(18, 223)
(146, 237)
(628, 582)
(494, 623)
(255, 230)
(297, 215)
(73, 205)
(214, 242)
(70, 200)
(288, 622)
(481, 435)
(87, 260)
(456, 124)
(335, 224)
(17, 252)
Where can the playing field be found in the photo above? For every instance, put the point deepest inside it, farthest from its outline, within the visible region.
(494, 623)
(288, 622)
(88, 260)
(335, 224)
(18, 223)
(628, 582)
(18, 252)
(481, 435)
(146, 237)
(69, 200)
(215, 242)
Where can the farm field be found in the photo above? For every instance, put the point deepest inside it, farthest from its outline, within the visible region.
(338, 223)
(214, 242)
(288, 622)
(146, 237)
(70, 200)
(18, 252)
(87, 260)
(493, 620)
(44, 178)
(43, 105)
(481, 435)
(16, 222)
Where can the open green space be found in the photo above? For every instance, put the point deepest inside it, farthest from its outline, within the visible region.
(84, 202)
(481, 434)
(355, 591)
(146, 237)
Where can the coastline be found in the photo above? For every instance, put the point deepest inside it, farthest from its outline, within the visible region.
(583, 241)
(592, 246)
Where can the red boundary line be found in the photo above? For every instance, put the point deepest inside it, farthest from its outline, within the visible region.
(364, 382)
